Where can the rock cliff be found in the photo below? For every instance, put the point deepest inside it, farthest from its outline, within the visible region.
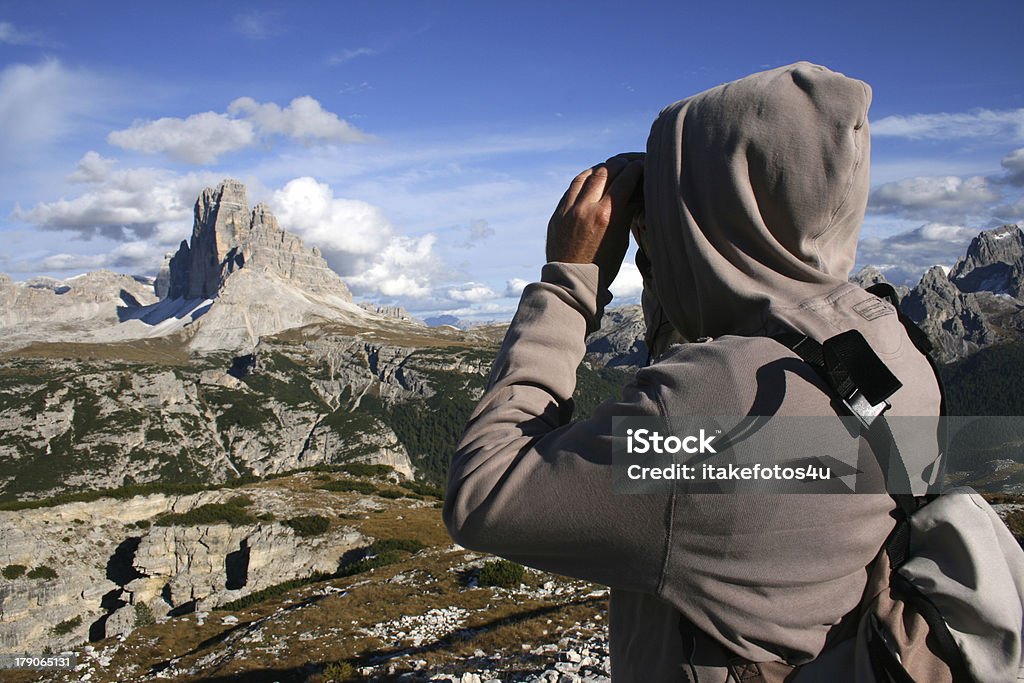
(113, 561)
(227, 237)
(978, 303)
(238, 278)
(46, 308)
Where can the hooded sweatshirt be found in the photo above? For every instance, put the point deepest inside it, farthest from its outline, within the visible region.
(754, 193)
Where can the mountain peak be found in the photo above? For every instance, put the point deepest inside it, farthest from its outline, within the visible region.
(227, 237)
(994, 263)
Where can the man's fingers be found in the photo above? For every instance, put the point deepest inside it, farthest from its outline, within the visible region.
(594, 186)
(604, 175)
(595, 182)
(575, 186)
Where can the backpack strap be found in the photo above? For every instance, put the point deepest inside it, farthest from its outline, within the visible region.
(862, 384)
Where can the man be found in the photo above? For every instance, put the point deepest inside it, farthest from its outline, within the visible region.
(754, 193)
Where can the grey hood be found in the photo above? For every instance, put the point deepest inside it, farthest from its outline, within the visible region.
(755, 192)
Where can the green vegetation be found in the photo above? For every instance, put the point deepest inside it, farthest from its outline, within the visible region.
(309, 525)
(294, 391)
(348, 485)
(595, 386)
(67, 626)
(232, 512)
(42, 572)
(395, 494)
(339, 671)
(381, 554)
(986, 382)
(13, 571)
(361, 469)
(366, 564)
(122, 493)
(423, 489)
(143, 615)
(429, 429)
(272, 592)
(501, 573)
(405, 545)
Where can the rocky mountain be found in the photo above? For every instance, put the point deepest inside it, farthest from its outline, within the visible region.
(46, 308)
(396, 312)
(238, 278)
(994, 263)
(978, 303)
(246, 277)
(620, 341)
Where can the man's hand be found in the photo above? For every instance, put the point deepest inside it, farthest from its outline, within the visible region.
(591, 222)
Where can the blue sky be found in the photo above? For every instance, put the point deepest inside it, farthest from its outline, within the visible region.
(423, 146)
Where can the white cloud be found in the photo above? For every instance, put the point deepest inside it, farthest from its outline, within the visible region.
(358, 241)
(132, 257)
(515, 287)
(203, 138)
(199, 139)
(348, 54)
(335, 224)
(11, 35)
(123, 204)
(1014, 164)
(40, 103)
(406, 267)
(933, 196)
(629, 283)
(947, 126)
(472, 292)
(905, 256)
(92, 168)
(304, 119)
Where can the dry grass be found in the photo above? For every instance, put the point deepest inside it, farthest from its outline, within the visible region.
(160, 351)
(403, 336)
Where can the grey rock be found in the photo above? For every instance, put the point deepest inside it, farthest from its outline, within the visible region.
(105, 560)
(221, 223)
(120, 622)
(994, 263)
(396, 312)
(49, 309)
(952, 319)
(869, 275)
(620, 340)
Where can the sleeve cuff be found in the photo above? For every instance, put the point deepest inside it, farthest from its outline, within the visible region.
(582, 283)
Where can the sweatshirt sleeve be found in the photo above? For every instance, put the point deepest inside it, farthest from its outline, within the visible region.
(525, 482)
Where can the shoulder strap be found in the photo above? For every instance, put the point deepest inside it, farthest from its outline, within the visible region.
(863, 383)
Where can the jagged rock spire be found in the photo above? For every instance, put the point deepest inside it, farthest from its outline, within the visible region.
(227, 236)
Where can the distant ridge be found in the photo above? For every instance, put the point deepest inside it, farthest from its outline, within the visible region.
(238, 278)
